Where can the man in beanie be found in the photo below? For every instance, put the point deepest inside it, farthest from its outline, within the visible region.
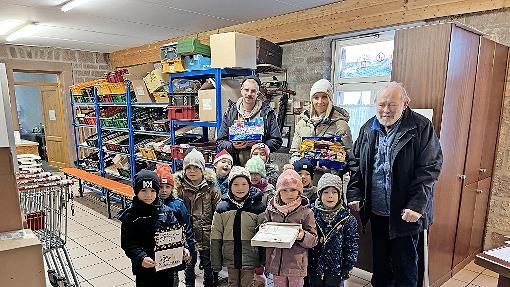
(289, 266)
(321, 120)
(222, 163)
(272, 170)
(257, 170)
(140, 223)
(305, 169)
(249, 107)
(196, 186)
(235, 222)
(337, 250)
(398, 160)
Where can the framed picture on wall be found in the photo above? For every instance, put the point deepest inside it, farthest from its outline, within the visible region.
(286, 136)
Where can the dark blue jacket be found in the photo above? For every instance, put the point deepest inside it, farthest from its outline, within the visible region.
(337, 250)
(222, 184)
(140, 222)
(180, 211)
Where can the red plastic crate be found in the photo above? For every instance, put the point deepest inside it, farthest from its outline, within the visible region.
(182, 113)
(178, 152)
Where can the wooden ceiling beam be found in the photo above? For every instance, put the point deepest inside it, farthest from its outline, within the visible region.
(340, 17)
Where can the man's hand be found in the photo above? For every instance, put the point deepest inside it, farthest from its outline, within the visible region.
(240, 144)
(410, 216)
(186, 255)
(354, 205)
(148, 263)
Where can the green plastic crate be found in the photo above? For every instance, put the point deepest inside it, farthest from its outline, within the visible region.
(192, 46)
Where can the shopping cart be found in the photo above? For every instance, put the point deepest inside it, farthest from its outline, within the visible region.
(44, 199)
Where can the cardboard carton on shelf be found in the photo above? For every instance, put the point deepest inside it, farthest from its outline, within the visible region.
(136, 75)
(23, 252)
(230, 90)
(276, 234)
(154, 81)
(233, 50)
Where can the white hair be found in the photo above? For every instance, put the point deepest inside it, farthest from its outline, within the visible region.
(400, 86)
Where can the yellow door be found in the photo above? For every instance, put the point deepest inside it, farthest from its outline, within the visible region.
(54, 128)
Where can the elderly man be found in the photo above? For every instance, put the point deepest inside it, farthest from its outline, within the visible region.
(248, 107)
(397, 162)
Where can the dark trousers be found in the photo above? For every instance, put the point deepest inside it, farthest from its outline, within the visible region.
(395, 261)
(210, 277)
(326, 281)
(155, 279)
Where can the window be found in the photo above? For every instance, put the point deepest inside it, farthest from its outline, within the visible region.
(361, 67)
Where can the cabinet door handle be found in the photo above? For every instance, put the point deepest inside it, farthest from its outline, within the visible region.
(462, 176)
(483, 170)
(479, 191)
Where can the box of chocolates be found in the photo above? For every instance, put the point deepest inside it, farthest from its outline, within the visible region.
(247, 130)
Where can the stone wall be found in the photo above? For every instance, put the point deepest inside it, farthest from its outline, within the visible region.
(87, 66)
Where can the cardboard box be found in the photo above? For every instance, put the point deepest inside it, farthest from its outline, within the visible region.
(23, 253)
(141, 92)
(230, 90)
(276, 234)
(233, 50)
(154, 81)
(10, 211)
(120, 161)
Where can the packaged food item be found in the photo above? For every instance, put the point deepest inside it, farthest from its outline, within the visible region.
(326, 151)
(247, 130)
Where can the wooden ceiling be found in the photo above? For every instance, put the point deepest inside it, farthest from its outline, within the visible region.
(341, 17)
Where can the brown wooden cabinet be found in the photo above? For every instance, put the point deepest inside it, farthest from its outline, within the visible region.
(461, 76)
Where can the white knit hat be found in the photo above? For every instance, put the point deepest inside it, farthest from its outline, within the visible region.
(323, 86)
(194, 158)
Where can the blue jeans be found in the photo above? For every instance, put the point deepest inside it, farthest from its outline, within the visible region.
(395, 261)
(210, 277)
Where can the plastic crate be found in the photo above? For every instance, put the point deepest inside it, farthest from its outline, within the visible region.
(175, 65)
(197, 62)
(124, 172)
(182, 113)
(164, 156)
(147, 152)
(92, 140)
(160, 126)
(116, 76)
(168, 51)
(111, 88)
(161, 97)
(184, 100)
(192, 46)
(178, 151)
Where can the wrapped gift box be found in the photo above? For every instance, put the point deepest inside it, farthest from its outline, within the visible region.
(247, 130)
(276, 234)
(326, 151)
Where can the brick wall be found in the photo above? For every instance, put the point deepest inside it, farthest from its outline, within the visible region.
(87, 66)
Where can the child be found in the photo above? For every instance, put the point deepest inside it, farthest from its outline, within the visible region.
(305, 170)
(257, 169)
(235, 222)
(289, 266)
(272, 170)
(176, 205)
(337, 250)
(195, 185)
(140, 222)
(222, 163)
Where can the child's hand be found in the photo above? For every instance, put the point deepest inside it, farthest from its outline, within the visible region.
(148, 263)
(186, 256)
(300, 235)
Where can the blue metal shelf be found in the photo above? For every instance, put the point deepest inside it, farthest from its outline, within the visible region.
(116, 152)
(212, 72)
(84, 104)
(151, 133)
(88, 147)
(112, 104)
(115, 129)
(150, 104)
(194, 123)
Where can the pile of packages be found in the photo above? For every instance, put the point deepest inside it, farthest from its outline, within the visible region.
(247, 130)
(325, 151)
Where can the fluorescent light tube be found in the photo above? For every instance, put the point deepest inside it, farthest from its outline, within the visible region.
(72, 4)
(23, 31)
(7, 26)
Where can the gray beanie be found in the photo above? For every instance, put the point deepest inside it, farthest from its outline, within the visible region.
(329, 180)
(194, 158)
(238, 171)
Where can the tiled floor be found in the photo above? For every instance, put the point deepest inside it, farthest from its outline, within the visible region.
(94, 245)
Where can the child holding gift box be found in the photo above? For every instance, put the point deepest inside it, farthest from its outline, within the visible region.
(195, 185)
(272, 170)
(235, 222)
(257, 170)
(289, 266)
(337, 250)
(140, 223)
(222, 163)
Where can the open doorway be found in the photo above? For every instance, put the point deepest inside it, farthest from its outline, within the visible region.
(40, 117)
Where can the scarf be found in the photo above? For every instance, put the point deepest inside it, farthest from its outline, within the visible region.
(262, 184)
(328, 214)
(237, 203)
(253, 113)
(286, 208)
(194, 188)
